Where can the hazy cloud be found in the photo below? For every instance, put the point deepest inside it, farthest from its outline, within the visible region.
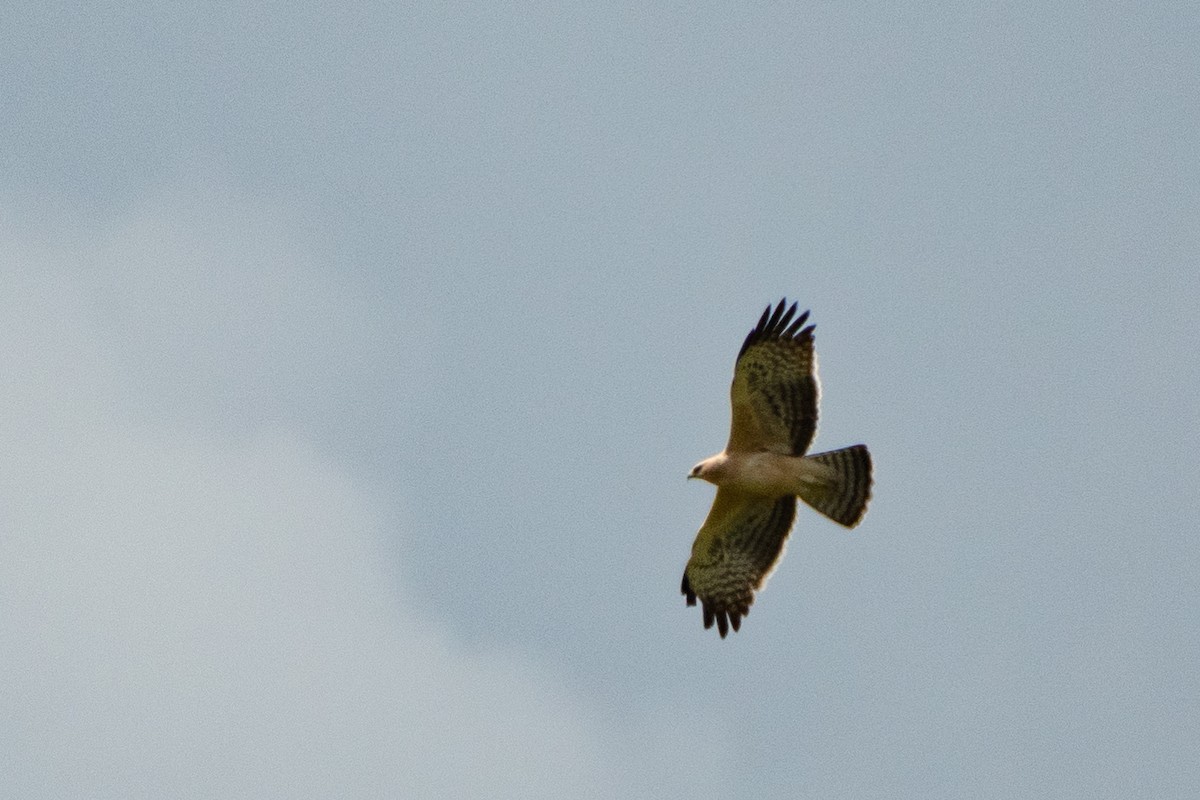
(199, 611)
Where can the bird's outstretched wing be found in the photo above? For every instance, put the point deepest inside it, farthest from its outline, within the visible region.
(734, 553)
(775, 390)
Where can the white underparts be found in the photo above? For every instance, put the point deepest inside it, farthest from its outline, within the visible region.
(765, 473)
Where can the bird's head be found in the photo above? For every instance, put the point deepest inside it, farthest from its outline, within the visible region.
(709, 469)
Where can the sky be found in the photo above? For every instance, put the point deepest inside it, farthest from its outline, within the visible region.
(355, 355)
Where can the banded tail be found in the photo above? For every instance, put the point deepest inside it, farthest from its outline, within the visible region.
(843, 498)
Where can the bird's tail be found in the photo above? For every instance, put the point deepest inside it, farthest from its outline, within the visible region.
(844, 494)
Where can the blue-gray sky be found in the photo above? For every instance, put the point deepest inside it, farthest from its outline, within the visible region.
(354, 358)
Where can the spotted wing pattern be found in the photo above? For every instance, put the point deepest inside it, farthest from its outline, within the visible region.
(775, 390)
(735, 551)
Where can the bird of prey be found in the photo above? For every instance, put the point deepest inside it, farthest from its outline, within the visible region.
(763, 469)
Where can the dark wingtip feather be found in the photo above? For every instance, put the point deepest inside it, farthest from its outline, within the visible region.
(778, 324)
(722, 616)
(762, 321)
(686, 589)
(778, 317)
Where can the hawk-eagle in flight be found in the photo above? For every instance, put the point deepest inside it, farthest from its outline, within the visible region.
(764, 469)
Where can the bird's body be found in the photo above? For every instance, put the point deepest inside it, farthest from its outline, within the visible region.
(763, 473)
(764, 468)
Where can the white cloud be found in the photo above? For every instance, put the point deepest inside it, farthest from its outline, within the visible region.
(191, 610)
